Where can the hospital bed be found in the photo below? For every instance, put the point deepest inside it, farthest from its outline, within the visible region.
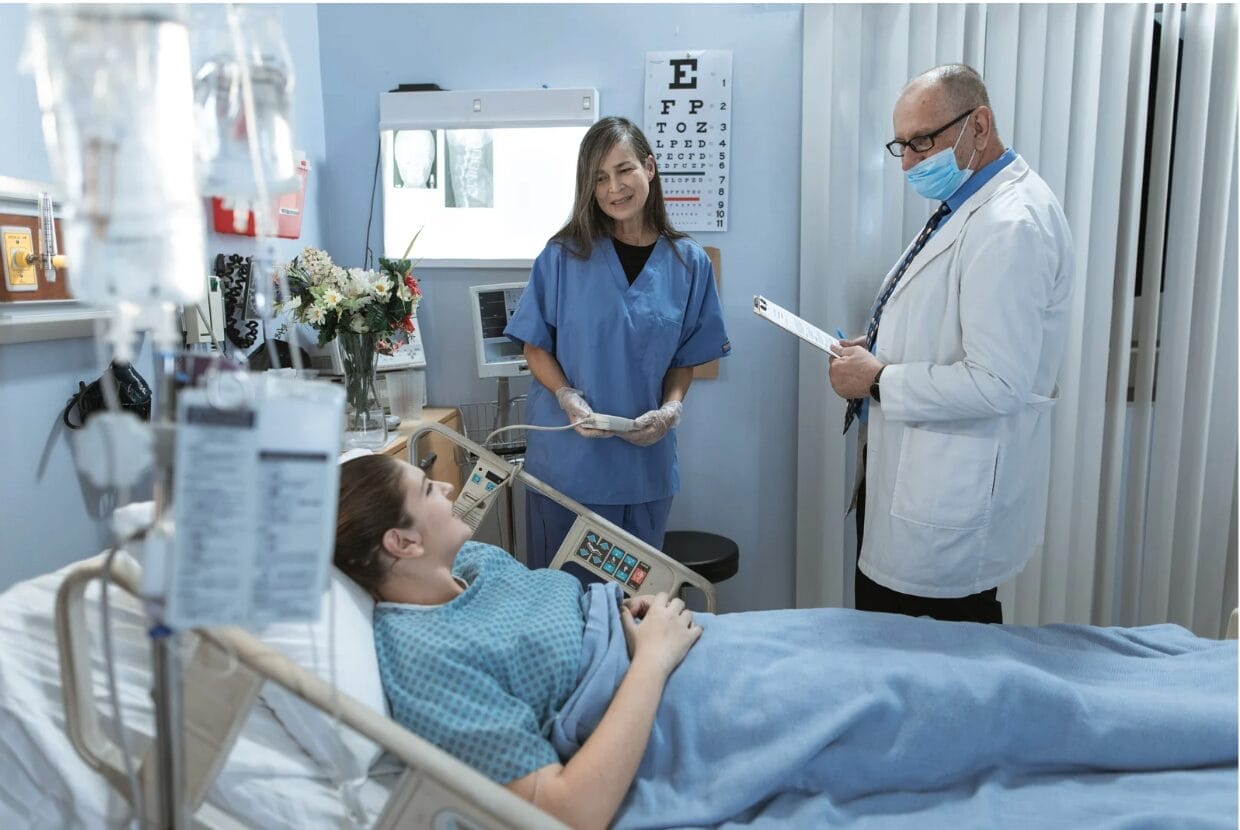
(244, 767)
(247, 762)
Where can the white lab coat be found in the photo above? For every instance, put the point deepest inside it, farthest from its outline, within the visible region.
(959, 448)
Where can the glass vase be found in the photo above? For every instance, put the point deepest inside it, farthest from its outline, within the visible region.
(364, 424)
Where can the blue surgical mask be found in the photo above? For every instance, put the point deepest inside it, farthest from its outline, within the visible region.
(939, 176)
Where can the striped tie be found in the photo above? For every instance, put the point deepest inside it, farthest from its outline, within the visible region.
(871, 330)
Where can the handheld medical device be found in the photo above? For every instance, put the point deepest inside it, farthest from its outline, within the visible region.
(492, 306)
(793, 324)
(613, 423)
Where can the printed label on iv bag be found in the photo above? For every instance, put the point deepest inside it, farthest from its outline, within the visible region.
(215, 511)
(255, 504)
(688, 124)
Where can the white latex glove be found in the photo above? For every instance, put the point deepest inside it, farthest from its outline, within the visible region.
(653, 425)
(576, 408)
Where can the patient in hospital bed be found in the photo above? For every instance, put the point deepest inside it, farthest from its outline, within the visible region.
(637, 713)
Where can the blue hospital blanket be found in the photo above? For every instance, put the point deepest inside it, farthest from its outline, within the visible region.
(833, 717)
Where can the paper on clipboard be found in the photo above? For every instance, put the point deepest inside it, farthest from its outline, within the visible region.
(789, 322)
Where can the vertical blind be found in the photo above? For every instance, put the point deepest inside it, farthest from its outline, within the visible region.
(1140, 524)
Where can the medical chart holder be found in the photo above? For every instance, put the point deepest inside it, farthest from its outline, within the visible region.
(793, 324)
(649, 571)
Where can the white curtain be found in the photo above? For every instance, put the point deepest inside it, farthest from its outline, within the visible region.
(1140, 526)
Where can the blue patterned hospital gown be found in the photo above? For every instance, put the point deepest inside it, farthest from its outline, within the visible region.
(483, 675)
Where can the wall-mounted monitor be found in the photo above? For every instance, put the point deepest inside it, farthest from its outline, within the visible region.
(493, 306)
(483, 176)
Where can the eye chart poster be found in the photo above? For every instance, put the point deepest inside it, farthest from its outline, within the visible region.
(688, 123)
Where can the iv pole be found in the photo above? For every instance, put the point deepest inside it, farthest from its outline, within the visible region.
(166, 643)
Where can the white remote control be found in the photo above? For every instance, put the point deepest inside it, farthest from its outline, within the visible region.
(611, 423)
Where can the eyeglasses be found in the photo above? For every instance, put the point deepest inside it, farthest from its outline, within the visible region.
(922, 143)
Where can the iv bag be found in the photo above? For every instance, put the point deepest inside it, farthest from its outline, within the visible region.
(115, 90)
(224, 129)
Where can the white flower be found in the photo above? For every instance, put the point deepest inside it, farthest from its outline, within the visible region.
(382, 287)
(316, 315)
(358, 324)
(291, 305)
(332, 298)
(404, 293)
(318, 265)
(356, 282)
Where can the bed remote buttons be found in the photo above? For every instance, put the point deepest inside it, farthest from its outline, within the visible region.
(611, 561)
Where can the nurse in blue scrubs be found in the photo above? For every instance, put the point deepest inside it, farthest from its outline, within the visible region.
(619, 308)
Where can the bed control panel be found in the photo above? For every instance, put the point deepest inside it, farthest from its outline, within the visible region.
(610, 553)
(612, 559)
(480, 491)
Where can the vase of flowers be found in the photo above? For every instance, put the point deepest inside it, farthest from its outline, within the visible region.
(364, 424)
(360, 309)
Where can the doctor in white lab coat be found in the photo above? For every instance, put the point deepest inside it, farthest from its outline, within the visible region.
(956, 387)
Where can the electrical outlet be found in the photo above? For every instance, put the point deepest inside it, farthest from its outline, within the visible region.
(17, 249)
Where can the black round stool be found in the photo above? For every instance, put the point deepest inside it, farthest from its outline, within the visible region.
(709, 554)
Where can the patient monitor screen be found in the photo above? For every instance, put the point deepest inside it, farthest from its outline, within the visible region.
(494, 305)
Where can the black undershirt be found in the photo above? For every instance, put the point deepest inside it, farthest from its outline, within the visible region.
(633, 257)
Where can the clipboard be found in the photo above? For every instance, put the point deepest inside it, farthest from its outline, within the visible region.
(793, 324)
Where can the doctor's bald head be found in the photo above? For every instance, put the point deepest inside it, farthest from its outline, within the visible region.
(958, 86)
(948, 106)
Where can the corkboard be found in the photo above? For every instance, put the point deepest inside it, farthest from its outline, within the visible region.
(710, 371)
(58, 290)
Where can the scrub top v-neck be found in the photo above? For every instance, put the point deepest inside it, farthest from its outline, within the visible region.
(615, 342)
(632, 258)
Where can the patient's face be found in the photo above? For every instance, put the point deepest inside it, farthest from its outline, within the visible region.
(429, 503)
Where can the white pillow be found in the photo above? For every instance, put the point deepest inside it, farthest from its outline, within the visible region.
(345, 753)
(348, 755)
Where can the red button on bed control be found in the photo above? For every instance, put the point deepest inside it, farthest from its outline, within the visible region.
(639, 575)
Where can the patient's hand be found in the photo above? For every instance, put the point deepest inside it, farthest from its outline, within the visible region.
(637, 605)
(666, 632)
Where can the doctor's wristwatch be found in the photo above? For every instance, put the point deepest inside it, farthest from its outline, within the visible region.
(874, 392)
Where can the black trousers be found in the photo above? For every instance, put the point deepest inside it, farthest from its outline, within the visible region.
(983, 607)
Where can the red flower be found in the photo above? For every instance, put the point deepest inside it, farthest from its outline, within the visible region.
(408, 324)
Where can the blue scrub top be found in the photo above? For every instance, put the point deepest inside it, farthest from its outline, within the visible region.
(615, 342)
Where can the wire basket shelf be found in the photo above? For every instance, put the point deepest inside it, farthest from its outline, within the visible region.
(481, 419)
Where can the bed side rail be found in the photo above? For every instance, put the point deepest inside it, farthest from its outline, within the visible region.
(73, 646)
(221, 684)
(664, 573)
(217, 697)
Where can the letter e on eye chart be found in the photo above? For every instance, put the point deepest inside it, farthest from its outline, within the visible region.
(688, 124)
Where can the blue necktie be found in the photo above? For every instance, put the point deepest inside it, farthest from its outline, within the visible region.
(871, 330)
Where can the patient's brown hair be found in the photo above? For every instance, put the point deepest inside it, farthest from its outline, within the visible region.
(372, 501)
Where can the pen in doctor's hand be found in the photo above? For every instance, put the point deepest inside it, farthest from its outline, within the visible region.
(839, 336)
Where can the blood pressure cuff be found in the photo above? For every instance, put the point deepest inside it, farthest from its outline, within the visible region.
(132, 392)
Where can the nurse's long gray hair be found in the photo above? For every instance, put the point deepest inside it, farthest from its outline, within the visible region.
(588, 222)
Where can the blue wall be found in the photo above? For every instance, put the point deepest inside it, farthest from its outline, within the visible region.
(48, 517)
(737, 447)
